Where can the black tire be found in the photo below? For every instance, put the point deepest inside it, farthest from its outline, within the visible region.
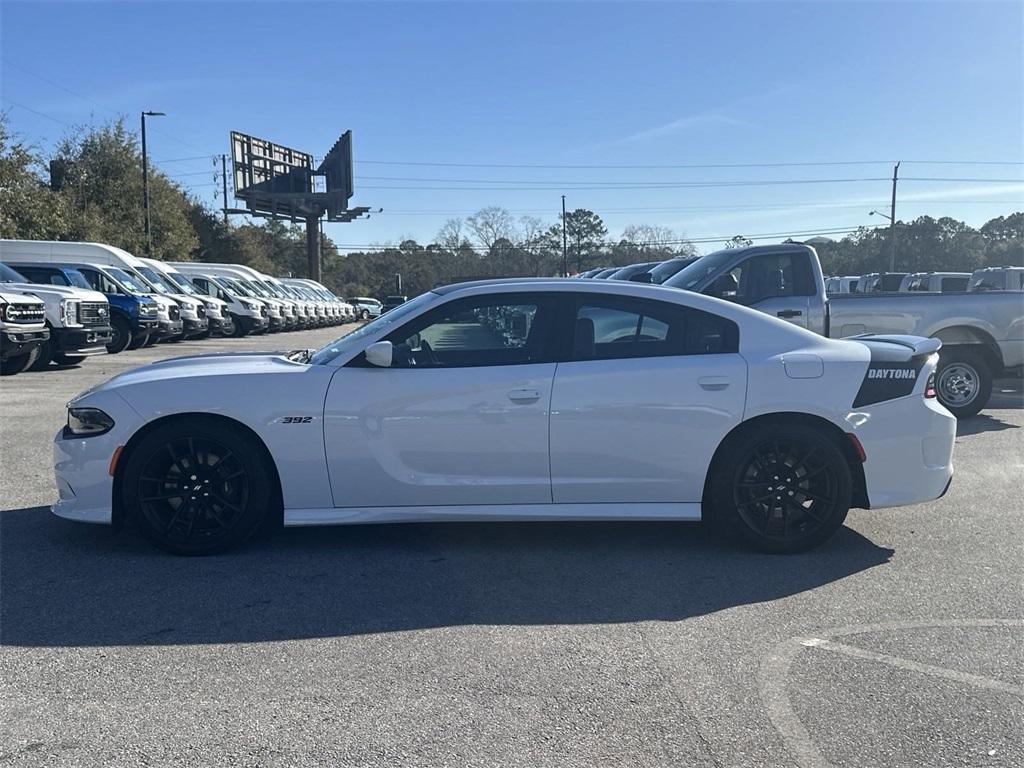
(151, 340)
(780, 489)
(238, 329)
(19, 363)
(963, 381)
(62, 359)
(45, 355)
(197, 487)
(121, 337)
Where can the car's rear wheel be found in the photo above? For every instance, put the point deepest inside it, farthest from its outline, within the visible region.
(196, 487)
(781, 489)
(963, 381)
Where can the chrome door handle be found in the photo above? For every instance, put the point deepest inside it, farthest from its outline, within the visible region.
(524, 395)
(714, 383)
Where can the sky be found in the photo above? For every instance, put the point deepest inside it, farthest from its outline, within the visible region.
(762, 119)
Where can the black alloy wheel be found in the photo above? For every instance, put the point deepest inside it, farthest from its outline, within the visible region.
(784, 489)
(197, 488)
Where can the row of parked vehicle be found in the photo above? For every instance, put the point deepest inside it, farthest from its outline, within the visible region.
(61, 302)
(987, 279)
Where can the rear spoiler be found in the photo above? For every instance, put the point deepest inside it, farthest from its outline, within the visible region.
(896, 347)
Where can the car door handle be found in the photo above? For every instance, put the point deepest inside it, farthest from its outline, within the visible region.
(524, 395)
(714, 383)
(789, 313)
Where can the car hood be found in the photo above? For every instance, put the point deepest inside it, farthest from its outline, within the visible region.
(201, 367)
(66, 291)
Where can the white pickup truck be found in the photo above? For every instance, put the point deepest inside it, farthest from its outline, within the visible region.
(982, 333)
(23, 330)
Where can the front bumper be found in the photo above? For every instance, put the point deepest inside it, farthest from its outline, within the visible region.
(222, 326)
(171, 329)
(909, 448)
(195, 327)
(14, 343)
(82, 341)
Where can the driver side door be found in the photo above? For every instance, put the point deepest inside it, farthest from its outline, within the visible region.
(461, 417)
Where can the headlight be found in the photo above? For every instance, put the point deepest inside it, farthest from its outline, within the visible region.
(249, 304)
(69, 312)
(88, 422)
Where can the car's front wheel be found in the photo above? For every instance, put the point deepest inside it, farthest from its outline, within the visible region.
(197, 487)
(364, 315)
(781, 489)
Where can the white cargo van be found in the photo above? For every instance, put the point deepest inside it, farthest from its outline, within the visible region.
(247, 312)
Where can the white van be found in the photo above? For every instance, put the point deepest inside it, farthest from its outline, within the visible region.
(248, 312)
(281, 313)
(169, 313)
(218, 320)
(293, 313)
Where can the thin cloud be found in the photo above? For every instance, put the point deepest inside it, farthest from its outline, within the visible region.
(683, 124)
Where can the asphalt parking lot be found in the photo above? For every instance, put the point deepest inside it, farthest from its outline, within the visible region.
(899, 643)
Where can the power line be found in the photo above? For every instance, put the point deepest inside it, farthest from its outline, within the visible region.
(687, 165)
(37, 112)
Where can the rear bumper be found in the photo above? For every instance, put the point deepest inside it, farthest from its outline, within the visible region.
(909, 448)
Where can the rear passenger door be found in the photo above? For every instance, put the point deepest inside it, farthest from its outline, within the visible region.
(646, 392)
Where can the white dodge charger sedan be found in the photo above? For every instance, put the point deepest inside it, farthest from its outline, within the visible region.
(518, 399)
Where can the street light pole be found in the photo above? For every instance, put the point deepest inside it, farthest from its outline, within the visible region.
(565, 258)
(145, 180)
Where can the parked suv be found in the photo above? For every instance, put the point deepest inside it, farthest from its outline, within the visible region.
(366, 307)
(77, 317)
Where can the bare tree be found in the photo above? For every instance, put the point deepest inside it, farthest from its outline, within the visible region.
(452, 234)
(489, 225)
(656, 240)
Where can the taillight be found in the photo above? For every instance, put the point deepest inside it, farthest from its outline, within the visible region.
(929, 387)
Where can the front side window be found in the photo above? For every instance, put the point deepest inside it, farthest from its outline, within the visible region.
(479, 331)
(609, 327)
(100, 282)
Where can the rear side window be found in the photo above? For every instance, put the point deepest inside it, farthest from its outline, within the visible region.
(954, 284)
(613, 327)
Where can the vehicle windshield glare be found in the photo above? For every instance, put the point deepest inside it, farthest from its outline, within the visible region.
(690, 276)
(131, 282)
(158, 280)
(183, 283)
(344, 344)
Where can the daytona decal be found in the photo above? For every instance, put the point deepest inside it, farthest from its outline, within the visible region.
(887, 381)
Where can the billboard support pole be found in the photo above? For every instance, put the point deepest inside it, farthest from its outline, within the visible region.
(313, 247)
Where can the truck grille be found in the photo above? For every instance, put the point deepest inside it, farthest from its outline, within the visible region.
(174, 313)
(26, 314)
(201, 310)
(148, 310)
(263, 311)
(94, 313)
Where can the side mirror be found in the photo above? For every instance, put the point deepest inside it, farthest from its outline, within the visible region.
(643, 277)
(380, 354)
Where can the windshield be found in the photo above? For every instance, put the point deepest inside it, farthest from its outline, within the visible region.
(131, 282)
(183, 283)
(255, 288)
(690, 276)
(666, 269)
(158, 280)
(232, 287)
(8, 275)
(397, 315)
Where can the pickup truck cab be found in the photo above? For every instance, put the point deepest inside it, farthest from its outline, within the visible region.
(22, 330)
(77, 317)
(881, 282)
(935, 282)
(134, 318)
(997, 279)
(982, 335)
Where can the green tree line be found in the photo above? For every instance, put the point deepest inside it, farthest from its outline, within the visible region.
(90, 188)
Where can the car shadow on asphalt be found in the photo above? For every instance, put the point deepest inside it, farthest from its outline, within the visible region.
(976, 425)
(68, 584)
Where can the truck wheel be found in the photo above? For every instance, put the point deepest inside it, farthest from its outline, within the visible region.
(239, 330)
(780, 489)
(138, 342)
(963, 381)
(45, 355)
(197, 487)
(19, 363)
(121, 337)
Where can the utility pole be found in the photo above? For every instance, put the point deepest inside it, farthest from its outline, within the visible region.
(892, 221)
(224, 182)
(565, 258)
(145, 181)
(313, 246)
